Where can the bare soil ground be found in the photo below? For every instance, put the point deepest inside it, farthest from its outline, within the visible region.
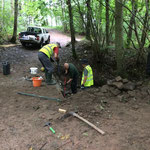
(22, 118)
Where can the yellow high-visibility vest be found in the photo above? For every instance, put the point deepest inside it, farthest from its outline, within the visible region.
(89, 82)
(48, 49)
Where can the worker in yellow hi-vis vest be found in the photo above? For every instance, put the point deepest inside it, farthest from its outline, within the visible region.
(44, 55)
(87, 75)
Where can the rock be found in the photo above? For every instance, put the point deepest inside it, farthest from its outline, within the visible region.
(125, 80)
(139, 83)
(132, 93)
(85, 52)
(118, 85)
(115, 91)
(118, 79)
(104, 88)
(129, 86)
(110, 82)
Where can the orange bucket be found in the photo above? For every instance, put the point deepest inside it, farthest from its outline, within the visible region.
(37, 81)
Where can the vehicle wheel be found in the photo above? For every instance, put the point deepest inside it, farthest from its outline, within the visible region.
(23, 44)
(48, 40)
(41, 44)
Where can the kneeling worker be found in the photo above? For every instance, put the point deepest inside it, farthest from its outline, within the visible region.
(73, 73)
(87, 75)
(44, 55)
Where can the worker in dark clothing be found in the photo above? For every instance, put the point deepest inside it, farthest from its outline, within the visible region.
(44, 55)
(73, 73)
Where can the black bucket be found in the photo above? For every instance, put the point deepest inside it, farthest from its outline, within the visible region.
(6, 68)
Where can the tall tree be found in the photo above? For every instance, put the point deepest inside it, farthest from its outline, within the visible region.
(146, 25)
(13, 39)
(132, 20)
(119, 35)
(140, 58)
(88, 3)
(72, 28)
(107, 22)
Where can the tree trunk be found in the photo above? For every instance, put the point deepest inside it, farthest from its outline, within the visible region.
(88, 3)
(99, 24)
(107, 22)
(132, 20)
(72, 28)
(145, 27)
(119, 36)
(13, 39)
(140, 58)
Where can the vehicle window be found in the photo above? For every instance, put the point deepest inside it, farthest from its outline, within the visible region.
(46, 31)
(30, 29)
(37, 30)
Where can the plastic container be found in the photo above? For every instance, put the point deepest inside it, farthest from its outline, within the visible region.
(6, 68)
(37, 81)
(34, 70)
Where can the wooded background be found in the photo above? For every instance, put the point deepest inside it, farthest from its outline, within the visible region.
(121, 24)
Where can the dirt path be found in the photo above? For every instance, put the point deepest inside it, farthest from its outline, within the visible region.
(57, 36)
(22, 118)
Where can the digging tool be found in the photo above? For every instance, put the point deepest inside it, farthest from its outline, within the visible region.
(84, 120)
(48, 124)
(43, 97)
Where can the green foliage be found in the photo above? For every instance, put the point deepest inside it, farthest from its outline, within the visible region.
(6, 22)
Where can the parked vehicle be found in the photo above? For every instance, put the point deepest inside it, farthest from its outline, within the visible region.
(34, 35)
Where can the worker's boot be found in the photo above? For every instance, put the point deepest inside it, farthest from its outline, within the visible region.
(49, 79)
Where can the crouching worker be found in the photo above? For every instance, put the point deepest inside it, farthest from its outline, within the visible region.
(73, 73)
(45, 56)
(87, 75)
